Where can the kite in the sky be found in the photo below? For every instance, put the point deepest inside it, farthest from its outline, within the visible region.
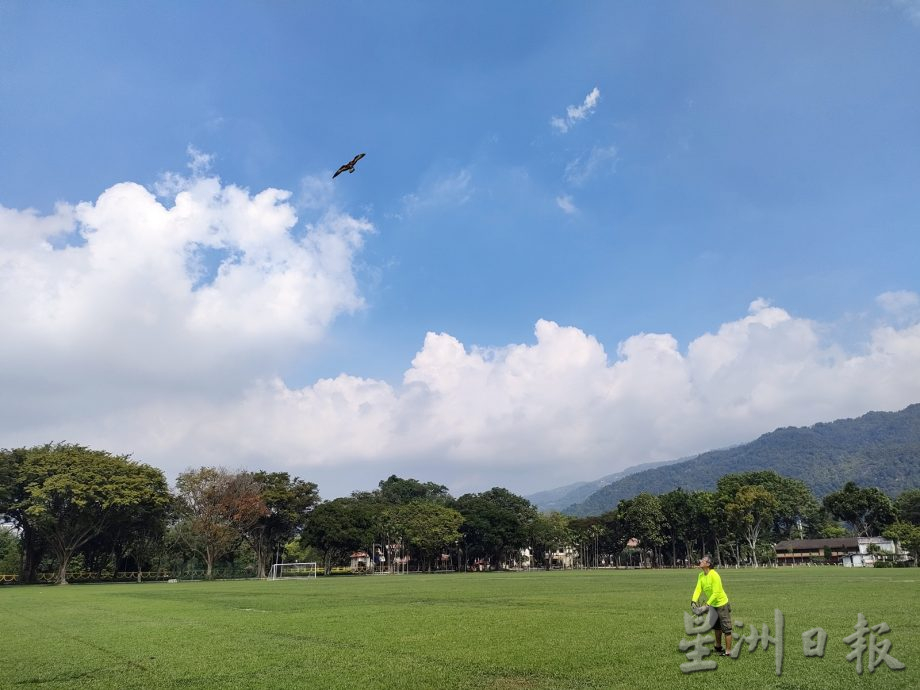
(350, 167)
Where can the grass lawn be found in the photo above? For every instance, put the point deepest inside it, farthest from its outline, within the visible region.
(575, 629)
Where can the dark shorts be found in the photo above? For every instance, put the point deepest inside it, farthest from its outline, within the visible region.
(725, 618)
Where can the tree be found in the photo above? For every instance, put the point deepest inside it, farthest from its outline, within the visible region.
(751, 510)
(708, 525)
(132, 538)
(338, 526)
(868, 511)
(426, 525)
(548, 533)
(677, 510)
(795, 511)
(496, 523)
(215, 508)
(615, 536)
(10, 553)
(644, 520)
(396, 490)
(907, 506)
(288, 503)
(69, 494)
(8, 467)
(908, 536)
(587, 534)
(12, 508)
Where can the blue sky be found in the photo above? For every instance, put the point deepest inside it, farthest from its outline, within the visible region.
(739, 179)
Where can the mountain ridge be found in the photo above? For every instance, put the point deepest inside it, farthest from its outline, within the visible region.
(879, 449)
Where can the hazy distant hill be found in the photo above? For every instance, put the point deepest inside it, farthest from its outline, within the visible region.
(565, 496)
(878, 449)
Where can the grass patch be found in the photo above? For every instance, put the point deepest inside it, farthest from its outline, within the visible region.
(582, 629)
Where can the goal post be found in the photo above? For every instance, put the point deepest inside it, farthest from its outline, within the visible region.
(289, 571)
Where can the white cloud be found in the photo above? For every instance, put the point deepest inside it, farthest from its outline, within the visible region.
(600, 158)
(158, 329)
(566, 203)
(575, 113)
(534, 415)
(203, 294)
(453, 189)
(316, 192)
(199, 162)
(910, 7)
(899, 302)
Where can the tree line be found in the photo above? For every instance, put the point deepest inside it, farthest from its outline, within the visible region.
(69, 508)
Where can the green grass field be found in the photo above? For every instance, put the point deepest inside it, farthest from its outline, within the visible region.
(581, 629)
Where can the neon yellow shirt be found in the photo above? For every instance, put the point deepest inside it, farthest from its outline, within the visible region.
(711, 586)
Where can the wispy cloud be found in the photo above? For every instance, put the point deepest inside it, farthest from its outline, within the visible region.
(453, 189)
(566, 203)
(199, 162)
(910, 7)
(900, 306)
(575, 113)
(600, 159)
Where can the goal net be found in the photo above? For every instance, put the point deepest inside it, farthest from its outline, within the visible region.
(283, 571)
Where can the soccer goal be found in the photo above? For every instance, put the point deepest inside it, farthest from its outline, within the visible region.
(284, 571)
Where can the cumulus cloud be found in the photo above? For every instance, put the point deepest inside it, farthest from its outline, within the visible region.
(576, 113)
(159, 327)
(127, 294)
(531, 415)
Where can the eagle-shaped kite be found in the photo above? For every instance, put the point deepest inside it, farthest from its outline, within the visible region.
(350, 167)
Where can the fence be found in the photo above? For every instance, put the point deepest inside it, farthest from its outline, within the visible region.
(132, 576)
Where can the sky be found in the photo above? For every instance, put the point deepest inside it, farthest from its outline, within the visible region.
(584, 235)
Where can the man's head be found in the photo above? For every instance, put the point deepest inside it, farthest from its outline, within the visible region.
(705, 563)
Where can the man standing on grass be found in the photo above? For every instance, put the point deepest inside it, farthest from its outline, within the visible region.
(710, 584)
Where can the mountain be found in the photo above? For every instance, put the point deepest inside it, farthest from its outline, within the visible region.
(879, 449)
(564, 496)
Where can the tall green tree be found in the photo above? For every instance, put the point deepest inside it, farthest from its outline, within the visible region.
(677, 510)
(908, 536)
(907, 506)
(644, 520)
(10, 551)
(341, 525)
(427, 526)
(710, 524)
(796, 512)
(549, 532)
(751, 510)
(396, 490)
(69, 494)
(130, 541)
(12, 508)
(616, 534)
(867, 510)
(288, 504)
(496, 524)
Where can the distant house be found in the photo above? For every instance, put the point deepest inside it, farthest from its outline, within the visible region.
(846, 551)
(564, 557)
(361, 562)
